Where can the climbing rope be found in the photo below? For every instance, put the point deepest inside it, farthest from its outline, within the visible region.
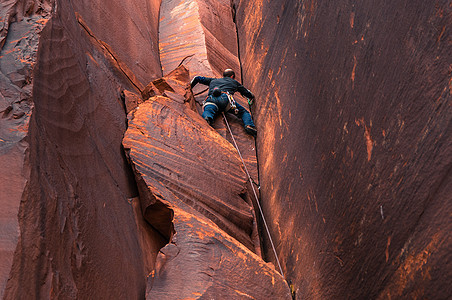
(255, 195)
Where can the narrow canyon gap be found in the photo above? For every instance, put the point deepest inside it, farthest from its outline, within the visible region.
(105, 157)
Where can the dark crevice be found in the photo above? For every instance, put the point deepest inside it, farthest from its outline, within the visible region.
(234, 19)
(157, 214)
(103, 45)
(259, 217)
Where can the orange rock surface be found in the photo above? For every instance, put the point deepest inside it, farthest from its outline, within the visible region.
(113, 187)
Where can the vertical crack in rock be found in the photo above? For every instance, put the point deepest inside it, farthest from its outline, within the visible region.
(124, 69)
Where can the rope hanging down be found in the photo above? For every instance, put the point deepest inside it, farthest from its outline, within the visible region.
(255, 195)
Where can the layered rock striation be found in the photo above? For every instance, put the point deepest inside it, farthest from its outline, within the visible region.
(353, 115)
(77, 218)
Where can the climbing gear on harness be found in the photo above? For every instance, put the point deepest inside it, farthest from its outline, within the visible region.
(250, 101)
(232, 105)
(255, 195)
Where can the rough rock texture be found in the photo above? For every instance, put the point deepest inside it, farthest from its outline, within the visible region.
(354, 118)
(202, 262)
(21, 23)
(82, 231)
(128, 30)
(207, 42)
(77, 227)
(193, 190)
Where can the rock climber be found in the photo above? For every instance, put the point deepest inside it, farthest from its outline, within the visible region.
(220, 99)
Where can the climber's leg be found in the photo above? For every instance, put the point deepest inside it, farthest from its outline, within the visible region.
(210, 112)
(244, 115)
(247, 120)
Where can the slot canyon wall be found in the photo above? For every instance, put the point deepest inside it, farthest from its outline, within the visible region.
(354, 144)
(78, 231)
(107, 167)
(117, 162)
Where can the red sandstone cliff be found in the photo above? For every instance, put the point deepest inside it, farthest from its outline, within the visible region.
(92, 220)
(355, 148)
(125, 192)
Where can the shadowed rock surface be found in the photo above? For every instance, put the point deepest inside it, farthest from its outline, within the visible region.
(354, 145)
(128, 31)
(77, 226)
(21, 23)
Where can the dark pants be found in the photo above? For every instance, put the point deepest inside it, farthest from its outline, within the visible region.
(220, 104)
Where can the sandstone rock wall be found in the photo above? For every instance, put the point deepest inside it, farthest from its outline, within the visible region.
(129, 31)
(354, 144)
(81, 232)
(21, 23)
(354, 121)
(90, 225)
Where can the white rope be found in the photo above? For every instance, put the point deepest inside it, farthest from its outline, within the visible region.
(255, 195)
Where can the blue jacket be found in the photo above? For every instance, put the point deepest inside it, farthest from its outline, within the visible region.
(225, 84)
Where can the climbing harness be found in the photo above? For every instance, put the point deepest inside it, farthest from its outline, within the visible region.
(255, 195)
(231, 107)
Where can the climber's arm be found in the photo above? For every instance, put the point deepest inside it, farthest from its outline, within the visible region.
(245, 92)
(200, 79)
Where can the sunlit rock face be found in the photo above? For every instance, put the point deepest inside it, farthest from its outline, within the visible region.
(206, 38)
(354, 145)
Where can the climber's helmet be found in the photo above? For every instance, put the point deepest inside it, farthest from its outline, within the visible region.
(229, 73)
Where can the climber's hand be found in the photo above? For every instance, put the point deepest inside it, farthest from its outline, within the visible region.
(193, 82)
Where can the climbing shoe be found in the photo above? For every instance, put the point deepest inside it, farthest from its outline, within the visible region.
(209, 121)
(251, 130)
